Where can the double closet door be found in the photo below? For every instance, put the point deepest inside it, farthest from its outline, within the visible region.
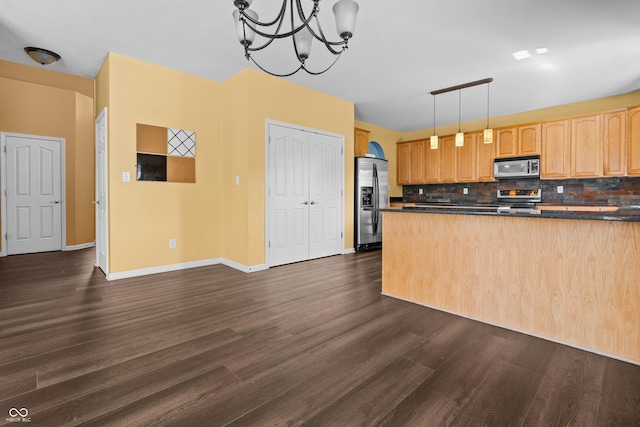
(305, 195)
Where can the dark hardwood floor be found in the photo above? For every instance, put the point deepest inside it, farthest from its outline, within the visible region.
(311, 344)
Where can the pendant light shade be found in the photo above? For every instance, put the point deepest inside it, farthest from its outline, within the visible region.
(459, 139)
(488, 136)
(345, 12)
(245, 34)
(302, 43)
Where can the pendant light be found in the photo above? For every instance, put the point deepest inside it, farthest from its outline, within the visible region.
(488, 132)
(433, 141)
(459, 135)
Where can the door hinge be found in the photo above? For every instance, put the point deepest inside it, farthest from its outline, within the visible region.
(269, 243)
(341, 234)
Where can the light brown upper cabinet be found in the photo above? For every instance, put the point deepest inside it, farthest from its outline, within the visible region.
(554, 157)
(633, 152)
(361, 142)
(467, 159)
(506, 142)
(614, 131)
(447, 148)
(431, 164)
(529, 139)
(403, 158)
(586, 147)
(485, 158)
(518, 141)
(417, 159)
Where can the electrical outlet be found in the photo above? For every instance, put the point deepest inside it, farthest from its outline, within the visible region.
(126, 176)
(172, 243)
(560, 189)
(465, 190)
(420, 191)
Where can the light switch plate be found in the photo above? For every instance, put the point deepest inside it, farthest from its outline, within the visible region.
(465, 190)
(126, 176)
(560, 189)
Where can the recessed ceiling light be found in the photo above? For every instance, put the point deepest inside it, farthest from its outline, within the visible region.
(521, 54)
(542, 50)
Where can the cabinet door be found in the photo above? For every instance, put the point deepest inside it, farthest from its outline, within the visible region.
(614, 137)
(506, 142)
(431, 164)
(486, 154)
(417, 159)
(361, 142)
(403, 156)
(586, 147)
(447, 158)
(529, 138)
(555, 149)
(633, 153)
(467, 159)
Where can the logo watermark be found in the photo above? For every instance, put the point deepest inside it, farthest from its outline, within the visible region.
(18, 416)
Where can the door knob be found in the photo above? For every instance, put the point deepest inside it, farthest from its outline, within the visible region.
(56, 201)
(314, 203)
(96, 202)
(306, 202)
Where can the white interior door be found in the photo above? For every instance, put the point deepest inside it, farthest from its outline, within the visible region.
(288, 195)
(305, 195)
(102, 260)
(34, 204)
(325, 192)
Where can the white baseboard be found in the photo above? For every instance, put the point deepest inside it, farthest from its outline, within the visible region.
(184, 266)
(349, 251)
(242, 267)
(78, 247)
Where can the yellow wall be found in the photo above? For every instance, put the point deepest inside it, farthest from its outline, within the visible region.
(387, 139)
(36, 101)
(250, 98)
(144, 215)
(215, 217)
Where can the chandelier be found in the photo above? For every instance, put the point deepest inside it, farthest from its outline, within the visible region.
(300, 26)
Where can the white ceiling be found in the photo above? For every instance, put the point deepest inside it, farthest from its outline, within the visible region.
(400, 52)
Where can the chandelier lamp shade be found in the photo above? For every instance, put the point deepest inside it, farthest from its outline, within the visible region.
(459, 139)
(293, 22)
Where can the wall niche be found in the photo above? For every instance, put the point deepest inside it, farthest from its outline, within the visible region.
(165, 154)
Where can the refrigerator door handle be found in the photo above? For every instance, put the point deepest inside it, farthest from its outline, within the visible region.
(375, 213)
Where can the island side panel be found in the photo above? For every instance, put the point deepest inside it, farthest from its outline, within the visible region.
(576, 281)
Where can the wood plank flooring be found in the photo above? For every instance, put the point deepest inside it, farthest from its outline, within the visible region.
(311, 344)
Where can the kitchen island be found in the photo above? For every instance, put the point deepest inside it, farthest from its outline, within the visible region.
(569, 277)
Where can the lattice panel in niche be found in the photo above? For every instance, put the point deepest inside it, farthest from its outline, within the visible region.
(181, 143)
(165, 154)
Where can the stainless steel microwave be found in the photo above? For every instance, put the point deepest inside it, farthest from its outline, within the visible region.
(517, 167)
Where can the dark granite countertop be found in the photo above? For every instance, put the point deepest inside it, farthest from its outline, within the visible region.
(628, 214)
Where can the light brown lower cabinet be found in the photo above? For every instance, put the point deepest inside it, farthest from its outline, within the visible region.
(570, 280)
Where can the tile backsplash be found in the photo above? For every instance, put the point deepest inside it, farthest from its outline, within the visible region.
(596, 191)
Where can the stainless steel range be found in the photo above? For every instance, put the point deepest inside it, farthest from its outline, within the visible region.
(519, 201)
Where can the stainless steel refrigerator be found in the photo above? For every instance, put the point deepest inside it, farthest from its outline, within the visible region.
(372, 193)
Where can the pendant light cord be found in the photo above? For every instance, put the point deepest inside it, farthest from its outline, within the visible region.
(459, 108)
(487, 105)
